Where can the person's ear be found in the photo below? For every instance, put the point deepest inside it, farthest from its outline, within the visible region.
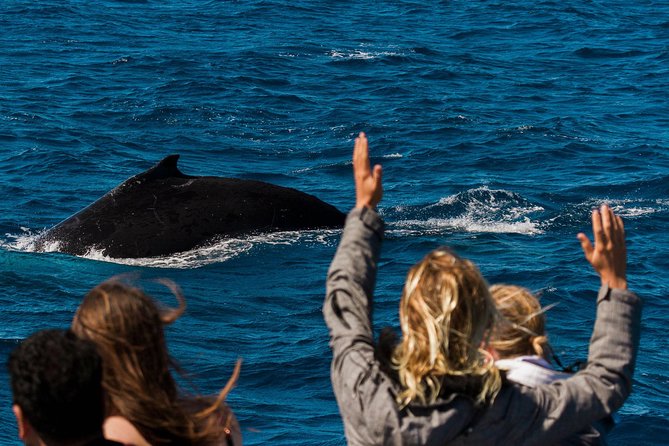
(490, 350)
(20, 421)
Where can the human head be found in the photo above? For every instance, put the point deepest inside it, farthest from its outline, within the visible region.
(522, 329)
(56, 383)
(446, 313)
(126, 325)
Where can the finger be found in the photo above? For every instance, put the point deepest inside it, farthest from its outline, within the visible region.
(614, 221)
(606, 222)
(359, 154)
(597, 230)
(378, 174)
(357, 157)
(620, 233)
(585, 245)
(363, 153)
(356, 150)
(615, 228)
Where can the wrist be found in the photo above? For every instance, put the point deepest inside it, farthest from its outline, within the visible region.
(365, 204)
(615, 282)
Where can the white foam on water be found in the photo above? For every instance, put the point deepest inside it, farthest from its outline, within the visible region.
(627, 207)
(465, 224)
(26, 241)
(221, 250)
(363, 53)
(224, 250)
(351, 54)
(636, 212)
(195, 258)
(484, 210)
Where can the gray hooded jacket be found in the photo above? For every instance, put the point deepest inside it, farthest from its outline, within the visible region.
(519, 415)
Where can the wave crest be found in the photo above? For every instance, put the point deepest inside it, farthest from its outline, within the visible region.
(475, 210)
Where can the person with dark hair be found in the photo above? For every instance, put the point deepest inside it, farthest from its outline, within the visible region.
(56, 380)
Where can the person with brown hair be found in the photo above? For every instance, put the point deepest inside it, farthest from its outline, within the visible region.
(519, 342)
(439, 385)
(144, 404)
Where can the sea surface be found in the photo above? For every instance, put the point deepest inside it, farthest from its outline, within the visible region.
(499, 124)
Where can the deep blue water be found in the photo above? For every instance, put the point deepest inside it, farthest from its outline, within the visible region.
(500, 124)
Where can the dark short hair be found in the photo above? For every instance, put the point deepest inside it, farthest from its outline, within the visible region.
(56, 381)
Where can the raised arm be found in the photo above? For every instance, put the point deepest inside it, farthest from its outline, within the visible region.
(362, 390)
(352, 274)
(606, 382)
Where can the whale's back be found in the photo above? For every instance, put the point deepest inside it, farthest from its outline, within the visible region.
(162, 211)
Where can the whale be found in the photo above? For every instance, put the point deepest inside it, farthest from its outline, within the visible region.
(162, 211)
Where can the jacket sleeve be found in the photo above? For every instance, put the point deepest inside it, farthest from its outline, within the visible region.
(606, 382)
(362, 390)
(351, 280)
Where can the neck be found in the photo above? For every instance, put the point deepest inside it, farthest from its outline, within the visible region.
(79, 442)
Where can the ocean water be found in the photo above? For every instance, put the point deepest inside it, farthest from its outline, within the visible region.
(500, 125)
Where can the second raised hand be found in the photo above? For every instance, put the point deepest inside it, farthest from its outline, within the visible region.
(608, 256)
(368, 187)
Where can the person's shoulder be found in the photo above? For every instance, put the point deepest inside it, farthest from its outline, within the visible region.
(105, 442)
(118, 430)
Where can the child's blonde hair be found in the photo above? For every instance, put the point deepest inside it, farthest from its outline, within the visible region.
(522, 329)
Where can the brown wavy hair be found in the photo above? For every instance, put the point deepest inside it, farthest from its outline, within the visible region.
(127, 327)
(446, 313)
(522, 329)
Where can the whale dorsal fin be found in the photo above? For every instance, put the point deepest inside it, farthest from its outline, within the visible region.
(166, 168)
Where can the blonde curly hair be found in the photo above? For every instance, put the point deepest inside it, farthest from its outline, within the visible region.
(522, 329)
(446, 314)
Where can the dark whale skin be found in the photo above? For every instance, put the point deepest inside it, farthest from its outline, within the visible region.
(162, 211)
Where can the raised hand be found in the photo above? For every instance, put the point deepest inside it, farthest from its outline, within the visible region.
(368, 187)
(609, 255)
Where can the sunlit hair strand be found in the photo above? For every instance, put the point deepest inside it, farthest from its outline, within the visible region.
(446, 313)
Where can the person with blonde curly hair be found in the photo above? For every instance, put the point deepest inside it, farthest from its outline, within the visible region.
(438, 385)
(446, 313)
